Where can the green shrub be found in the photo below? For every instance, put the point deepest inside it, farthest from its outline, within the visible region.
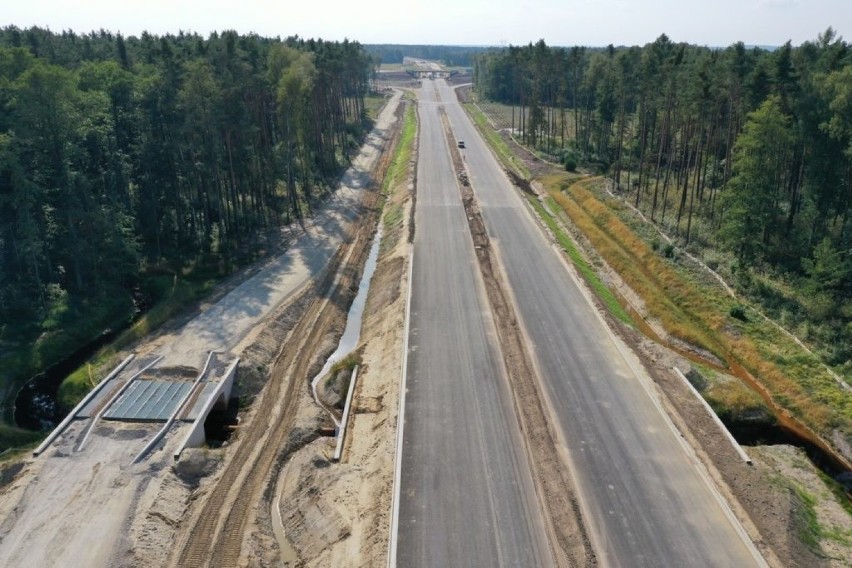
(696, 379)
(14, 437)
(712, 262)
(738, 312)
(348, 363)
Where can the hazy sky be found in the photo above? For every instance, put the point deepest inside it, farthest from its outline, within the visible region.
(457, 22)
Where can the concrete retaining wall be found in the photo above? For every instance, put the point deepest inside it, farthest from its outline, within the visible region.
(341, 432)
(196, 437)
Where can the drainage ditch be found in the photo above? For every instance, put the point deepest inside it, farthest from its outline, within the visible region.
(36, 404)
(763, 434)
(352, 332)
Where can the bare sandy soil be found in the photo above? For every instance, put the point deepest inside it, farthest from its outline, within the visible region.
(68, 508)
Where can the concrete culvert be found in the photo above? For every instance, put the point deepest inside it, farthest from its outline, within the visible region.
(221, 423)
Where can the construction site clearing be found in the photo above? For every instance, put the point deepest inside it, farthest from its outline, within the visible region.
(122, 481)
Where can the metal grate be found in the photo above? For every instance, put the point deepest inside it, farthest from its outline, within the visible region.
(148, 400)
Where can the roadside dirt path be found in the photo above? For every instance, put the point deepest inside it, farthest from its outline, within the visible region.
(220, 525)
(216, 535)
(224, 325)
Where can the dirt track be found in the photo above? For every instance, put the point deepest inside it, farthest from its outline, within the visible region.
(216, 535)
(337, 514)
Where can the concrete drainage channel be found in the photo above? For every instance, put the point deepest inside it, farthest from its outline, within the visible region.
(341, 429)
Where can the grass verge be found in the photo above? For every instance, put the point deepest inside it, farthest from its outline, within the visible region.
(809, 529)
(586, 271)
(668, 298)
(396, 177)
(399, 166)
(18, 438)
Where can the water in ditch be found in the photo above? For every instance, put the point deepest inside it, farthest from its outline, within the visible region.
(352, 332)
(36, 404)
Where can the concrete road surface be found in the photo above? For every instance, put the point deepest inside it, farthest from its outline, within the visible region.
(466, 495)
(645, 502)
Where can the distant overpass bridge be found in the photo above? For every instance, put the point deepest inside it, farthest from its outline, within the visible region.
(431, 73)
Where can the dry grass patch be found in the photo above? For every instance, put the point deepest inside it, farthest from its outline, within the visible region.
(643, 269)
(731, 399)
